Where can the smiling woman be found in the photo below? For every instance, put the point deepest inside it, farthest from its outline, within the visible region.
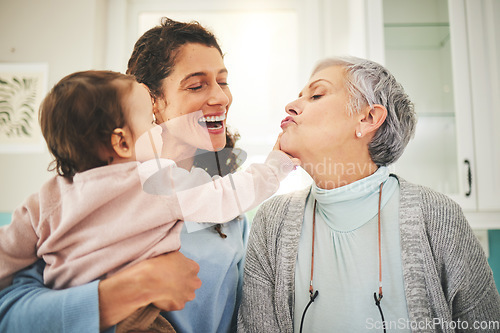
(198, 82)
(261, 48)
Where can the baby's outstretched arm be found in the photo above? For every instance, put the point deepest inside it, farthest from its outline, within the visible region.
(202, 198)
(227, 197)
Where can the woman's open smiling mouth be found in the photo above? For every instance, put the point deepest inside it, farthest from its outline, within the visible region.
(213, 123)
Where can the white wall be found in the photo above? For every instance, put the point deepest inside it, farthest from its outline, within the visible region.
(66, 34)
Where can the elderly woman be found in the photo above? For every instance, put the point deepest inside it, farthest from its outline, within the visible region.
(360, 249)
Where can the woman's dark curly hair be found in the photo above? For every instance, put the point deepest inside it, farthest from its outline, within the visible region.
(153, 59)
(78, 116)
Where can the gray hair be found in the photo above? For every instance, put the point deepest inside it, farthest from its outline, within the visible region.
(369, 83)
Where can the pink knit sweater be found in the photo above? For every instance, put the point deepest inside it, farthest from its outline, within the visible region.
(104, 221)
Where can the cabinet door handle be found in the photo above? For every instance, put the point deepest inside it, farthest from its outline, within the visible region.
(469, 178)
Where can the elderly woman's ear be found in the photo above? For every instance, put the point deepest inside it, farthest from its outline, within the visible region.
(370, 119)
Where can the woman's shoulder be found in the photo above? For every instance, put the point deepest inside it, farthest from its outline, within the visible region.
(281, 212)
(438, 211)
(425, 195)
(293, 200)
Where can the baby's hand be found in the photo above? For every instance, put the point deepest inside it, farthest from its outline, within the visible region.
(277, 146)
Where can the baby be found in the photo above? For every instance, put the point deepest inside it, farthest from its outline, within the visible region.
(95, 218)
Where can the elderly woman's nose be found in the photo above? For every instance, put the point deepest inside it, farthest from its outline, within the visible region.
(292, 108)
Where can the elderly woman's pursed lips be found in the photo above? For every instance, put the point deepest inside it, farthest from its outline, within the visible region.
(287, 121)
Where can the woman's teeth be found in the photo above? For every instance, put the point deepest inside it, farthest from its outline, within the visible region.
(213, 122)
(212, 119)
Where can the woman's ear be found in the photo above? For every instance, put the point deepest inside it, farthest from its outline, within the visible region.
(159, 106)
(371, 120)
(122, 143)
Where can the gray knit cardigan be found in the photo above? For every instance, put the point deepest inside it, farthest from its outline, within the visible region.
(446, 275)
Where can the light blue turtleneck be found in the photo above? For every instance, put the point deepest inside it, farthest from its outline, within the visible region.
(346, 258)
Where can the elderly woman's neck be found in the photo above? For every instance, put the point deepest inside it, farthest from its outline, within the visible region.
(335, 174)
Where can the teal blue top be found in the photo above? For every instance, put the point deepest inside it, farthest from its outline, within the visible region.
(221, 271)
(346, 268)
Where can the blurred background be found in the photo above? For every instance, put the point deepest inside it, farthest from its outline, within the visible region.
(445, 52)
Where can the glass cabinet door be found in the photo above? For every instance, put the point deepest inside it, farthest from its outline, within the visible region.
(418, 52)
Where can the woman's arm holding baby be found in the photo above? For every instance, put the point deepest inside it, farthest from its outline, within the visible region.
(28, 306)
(168, 281)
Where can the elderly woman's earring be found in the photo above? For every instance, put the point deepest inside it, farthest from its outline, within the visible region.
(358, 134)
